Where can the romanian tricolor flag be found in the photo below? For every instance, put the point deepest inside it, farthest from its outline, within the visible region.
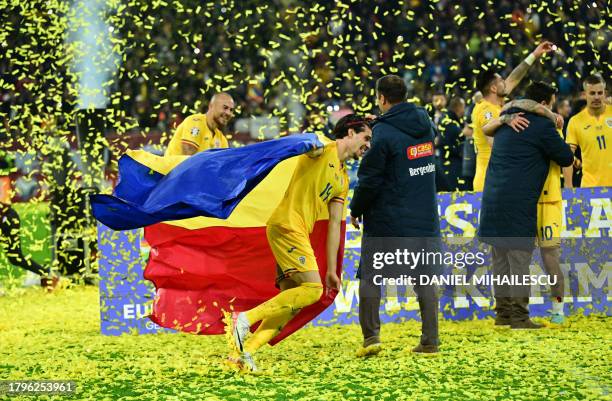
(200, 265)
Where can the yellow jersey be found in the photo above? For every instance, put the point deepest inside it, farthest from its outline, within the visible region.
(483, 112)
(594, 137)
(551, 192)
(316, 181)
(194, 130)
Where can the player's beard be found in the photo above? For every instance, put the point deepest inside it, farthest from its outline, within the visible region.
(219, 122)
(501, 94)
(597, 106)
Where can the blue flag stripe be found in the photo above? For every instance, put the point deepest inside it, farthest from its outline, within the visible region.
(210, 184)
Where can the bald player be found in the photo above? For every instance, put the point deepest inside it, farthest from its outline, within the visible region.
(591, 130)
(494, 90)
(200, 132)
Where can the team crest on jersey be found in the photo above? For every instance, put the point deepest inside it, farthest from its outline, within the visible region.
(609, 122)
(488, 115)
(302, 259)
(195, 131)
(217, 143)
(420, 150)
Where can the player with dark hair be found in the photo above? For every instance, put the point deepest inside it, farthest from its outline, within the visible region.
(319, 181)
(494, 90)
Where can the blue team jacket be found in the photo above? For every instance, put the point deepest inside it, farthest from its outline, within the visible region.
(515, 177)
(396, 189)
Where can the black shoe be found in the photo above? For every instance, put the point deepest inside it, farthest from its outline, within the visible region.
(502, 321)
(425, 349)
(525, 325)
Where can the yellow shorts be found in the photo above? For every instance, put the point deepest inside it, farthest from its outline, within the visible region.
(292, 250)
(549, 224)
(481, 173)
(479, 180)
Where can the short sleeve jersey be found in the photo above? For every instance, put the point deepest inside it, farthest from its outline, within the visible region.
(594, 137)
(483, 112)
(194, 131)
(316, 181)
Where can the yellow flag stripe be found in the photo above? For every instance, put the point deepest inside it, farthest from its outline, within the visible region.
(253, 211)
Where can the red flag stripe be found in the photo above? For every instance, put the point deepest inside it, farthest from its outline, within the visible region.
(198, 273)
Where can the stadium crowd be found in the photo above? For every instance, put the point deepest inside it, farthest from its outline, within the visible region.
(286, 60)
(304, 65)
(174, 56)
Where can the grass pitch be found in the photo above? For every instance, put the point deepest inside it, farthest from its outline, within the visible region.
(57, 336)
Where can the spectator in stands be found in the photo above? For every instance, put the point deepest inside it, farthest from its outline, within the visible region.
(577, 106)
(200, 132)
(10, 227)
(468, 165)
(163, 75)
(451, 142)
(439, 107)
(564, 109)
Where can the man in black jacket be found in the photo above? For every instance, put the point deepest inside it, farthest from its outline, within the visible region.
(508, 221)
(396, 196)
(451, 145)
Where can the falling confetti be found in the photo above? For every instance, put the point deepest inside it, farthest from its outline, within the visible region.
(156, 62)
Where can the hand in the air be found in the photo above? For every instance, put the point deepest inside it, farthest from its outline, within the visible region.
(543, 48)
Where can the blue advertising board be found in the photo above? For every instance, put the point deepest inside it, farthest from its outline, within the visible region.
(126, 298)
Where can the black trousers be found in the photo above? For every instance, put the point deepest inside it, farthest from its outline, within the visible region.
(10, 226)
(512, 302)
(369, 317)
